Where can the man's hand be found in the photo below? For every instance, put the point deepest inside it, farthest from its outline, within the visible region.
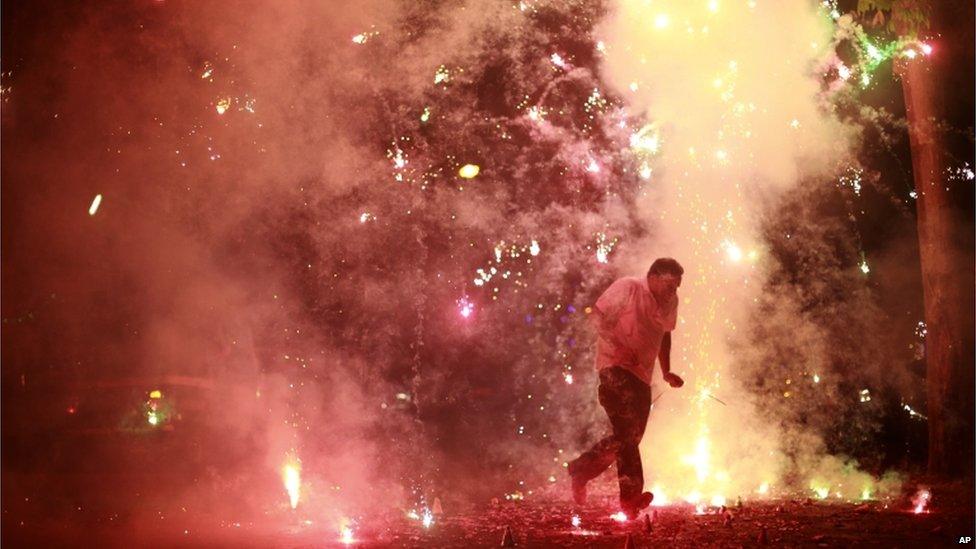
(673, 380)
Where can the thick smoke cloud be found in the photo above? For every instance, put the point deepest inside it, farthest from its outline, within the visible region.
(285, 245)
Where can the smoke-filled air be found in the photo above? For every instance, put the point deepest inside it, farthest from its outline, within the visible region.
(316, 268)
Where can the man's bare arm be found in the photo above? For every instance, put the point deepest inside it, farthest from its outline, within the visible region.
(664, 356)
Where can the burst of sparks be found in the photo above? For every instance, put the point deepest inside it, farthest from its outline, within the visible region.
(469, 171)
(912, 412)
(442, 75)
(733, 251)
(921, 501)
(428, 519)
(96, 202)
(465, 307)
(346, 535)
(291, 476)
(222, 105)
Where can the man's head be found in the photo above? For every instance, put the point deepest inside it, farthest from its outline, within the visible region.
(664, 277)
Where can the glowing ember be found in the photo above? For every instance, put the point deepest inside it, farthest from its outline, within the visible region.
(469, 171)
(94, 205)
(921, 501)
(465, 307)
(156, 393)
(291, 474)
(346, 535)
(222, 105)
(576, 521)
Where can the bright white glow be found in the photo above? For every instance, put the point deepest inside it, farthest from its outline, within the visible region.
(662, 20)
(291, 475)
(94, 205)
(469, 171)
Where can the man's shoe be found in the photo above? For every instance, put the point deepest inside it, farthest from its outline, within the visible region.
(634, 507)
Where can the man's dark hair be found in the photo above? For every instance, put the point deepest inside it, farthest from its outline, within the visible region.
(666, 265)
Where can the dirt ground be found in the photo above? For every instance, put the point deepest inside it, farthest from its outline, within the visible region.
(540, 521)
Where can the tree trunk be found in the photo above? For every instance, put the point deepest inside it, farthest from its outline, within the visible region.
(946, 274)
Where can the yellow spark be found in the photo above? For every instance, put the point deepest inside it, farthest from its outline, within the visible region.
(816, 378)
(155, 393)
(469, 171)
(94, 205)
(425, 116)
(222, 105)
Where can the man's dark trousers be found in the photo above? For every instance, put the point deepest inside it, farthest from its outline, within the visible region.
(627, 401)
